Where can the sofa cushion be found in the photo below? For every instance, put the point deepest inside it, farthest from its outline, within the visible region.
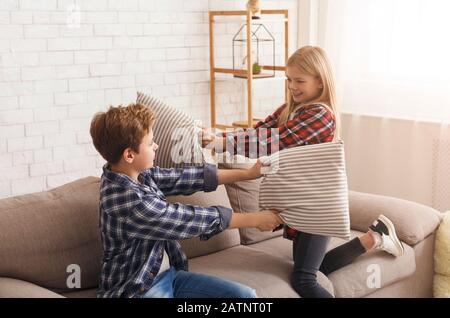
(84, 293)
(268, 274)
(175, 133)
(15, 288)
(413, 221)
(278, 246)
(41, 234)
(195, 247)
(371, 271)
(351, 280)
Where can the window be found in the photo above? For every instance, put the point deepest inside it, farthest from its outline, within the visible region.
(391, 57)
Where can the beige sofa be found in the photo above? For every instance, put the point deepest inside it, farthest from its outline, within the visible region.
(43, 234)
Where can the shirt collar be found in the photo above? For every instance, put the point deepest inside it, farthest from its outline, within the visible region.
(117, 177)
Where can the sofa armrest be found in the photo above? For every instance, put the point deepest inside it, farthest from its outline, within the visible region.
(16, 288)
(413, 221)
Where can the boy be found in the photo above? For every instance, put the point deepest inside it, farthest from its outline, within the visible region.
(140, 229)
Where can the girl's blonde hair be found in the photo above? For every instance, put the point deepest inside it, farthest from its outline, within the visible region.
(313, 60)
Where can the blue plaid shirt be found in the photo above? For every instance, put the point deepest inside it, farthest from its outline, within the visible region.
(137, 224)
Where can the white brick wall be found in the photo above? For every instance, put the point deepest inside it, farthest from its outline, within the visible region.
(63, 60)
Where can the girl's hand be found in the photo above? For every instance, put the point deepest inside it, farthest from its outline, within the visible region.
(269, 220)
(219, 144)
(256, 171)
(206, 138)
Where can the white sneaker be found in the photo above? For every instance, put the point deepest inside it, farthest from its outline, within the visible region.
(389, 240)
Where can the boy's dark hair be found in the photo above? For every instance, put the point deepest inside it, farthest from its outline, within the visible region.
(119, 128)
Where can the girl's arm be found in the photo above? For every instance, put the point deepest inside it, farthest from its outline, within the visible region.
(313, 125)
(219, 142)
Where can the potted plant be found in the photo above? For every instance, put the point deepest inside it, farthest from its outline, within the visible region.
(256, 68)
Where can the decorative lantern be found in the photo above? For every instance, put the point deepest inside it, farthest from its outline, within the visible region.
(263, 50)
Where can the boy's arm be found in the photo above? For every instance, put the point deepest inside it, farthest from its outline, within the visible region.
(183, 181)
(266, 220)
(233, 175)
(153, 218)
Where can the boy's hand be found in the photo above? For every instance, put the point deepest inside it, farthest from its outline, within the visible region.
(269, 220)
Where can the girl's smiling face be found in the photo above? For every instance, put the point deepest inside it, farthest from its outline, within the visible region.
(303, 87)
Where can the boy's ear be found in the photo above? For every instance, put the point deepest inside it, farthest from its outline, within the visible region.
(128, 155)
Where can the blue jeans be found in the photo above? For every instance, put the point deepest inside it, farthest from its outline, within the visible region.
(309, 257)
(309, 251)
(182, 284)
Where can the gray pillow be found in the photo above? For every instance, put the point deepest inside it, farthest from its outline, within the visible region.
(243, 197)
(310, 189)
(176, 134)
(42, 234)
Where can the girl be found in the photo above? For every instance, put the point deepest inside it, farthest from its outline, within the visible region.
(309, 117)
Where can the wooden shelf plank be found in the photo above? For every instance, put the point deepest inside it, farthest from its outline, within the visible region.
(248, 73)
(255, 76)
(244, 12)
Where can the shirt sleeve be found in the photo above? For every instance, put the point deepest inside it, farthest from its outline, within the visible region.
(314, 125)
(269, 122)
(184, 181)
(154, 218)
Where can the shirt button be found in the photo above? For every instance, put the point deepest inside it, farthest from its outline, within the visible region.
(152, 275)
(142, 289)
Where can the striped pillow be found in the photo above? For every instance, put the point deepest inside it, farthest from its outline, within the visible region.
(176, 134)
(309, 187)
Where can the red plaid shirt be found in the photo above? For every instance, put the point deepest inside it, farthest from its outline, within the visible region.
(311, 124)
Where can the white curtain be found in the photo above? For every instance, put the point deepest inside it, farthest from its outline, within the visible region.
(391, 57)
(392, 61)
